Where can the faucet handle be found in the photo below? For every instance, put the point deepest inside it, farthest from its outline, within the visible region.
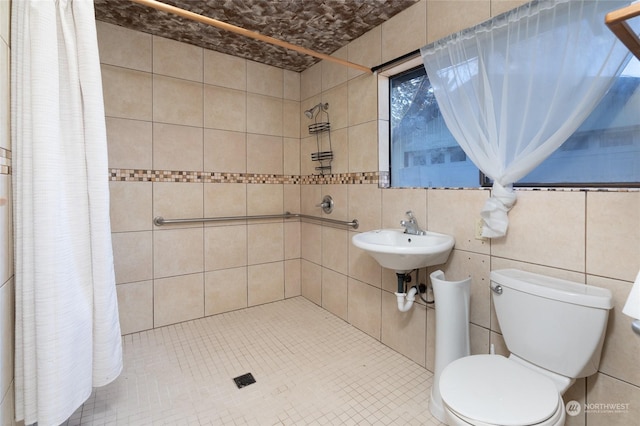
(326, 204)
(409, 214)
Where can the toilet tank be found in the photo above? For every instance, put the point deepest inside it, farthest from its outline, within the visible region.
(555, 324)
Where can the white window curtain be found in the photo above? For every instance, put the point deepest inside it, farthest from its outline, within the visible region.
(513, 89)
(67, 331)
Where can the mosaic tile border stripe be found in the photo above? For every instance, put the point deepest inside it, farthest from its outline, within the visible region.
(131, 175)
(378, 178)
(5, 161)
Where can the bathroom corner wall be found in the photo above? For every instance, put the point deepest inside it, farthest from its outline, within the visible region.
(591, 237)
(7, 287)
(194, 133)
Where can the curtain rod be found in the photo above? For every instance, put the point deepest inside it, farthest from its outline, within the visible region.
(242, 31)
(396, 60)
(616, 21)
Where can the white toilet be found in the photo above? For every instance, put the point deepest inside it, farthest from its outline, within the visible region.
(554, 330)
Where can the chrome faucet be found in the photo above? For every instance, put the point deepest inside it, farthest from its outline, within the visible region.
(411, 225)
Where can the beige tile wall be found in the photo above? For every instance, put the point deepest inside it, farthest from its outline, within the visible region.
(228, 115)
(178, 108)
(7, 291)
(595, 240)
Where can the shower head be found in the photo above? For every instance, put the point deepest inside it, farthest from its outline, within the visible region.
(312, 111)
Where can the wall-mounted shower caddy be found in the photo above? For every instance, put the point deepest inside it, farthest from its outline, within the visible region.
(321, 127)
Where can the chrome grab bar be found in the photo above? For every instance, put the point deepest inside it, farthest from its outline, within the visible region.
(159, 220)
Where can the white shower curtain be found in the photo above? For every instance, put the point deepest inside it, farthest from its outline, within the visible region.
(67, 330)
(512, 90)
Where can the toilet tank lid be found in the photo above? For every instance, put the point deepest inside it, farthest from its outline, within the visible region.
(554, 288)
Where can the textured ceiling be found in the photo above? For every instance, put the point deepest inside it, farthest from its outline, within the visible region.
(321, 25)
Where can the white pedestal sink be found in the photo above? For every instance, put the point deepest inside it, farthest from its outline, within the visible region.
(393, 249)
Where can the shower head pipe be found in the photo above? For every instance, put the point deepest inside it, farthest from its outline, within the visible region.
(319, 107)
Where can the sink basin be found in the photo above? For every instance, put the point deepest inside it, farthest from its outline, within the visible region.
(393, 249)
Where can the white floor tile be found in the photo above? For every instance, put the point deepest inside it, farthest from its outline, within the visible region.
(310, 367)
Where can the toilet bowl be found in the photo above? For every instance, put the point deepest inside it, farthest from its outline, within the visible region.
(489, 390)
(455, 419)
(540, 317)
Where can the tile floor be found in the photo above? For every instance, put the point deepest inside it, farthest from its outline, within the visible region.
(310, 367)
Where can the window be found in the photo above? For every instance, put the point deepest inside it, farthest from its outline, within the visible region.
(423, 151)
(604, 151)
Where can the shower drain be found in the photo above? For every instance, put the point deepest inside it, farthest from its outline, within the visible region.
(244, 380)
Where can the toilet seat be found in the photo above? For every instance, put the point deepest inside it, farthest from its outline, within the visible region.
(491, 389)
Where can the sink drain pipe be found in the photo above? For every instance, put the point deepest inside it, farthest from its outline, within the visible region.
(405, 300)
